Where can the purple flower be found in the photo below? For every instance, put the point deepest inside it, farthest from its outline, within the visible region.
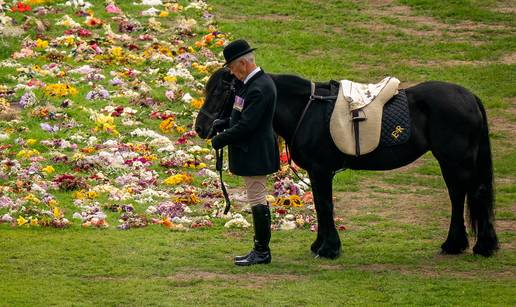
(104, 94)
(49, 128)
(5, 202)
(116, 82)
(170, 209)
(28, 99)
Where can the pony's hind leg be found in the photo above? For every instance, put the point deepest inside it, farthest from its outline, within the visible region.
(457, 178)
(316, 245)
(327, 244)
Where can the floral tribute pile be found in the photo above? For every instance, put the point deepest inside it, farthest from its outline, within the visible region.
(97, 105)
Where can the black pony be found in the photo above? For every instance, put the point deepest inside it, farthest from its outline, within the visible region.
(446, 119)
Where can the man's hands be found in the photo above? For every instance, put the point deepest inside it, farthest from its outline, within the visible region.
(220, 124)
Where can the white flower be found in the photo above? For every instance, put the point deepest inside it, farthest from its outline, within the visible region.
(287, 225)
(187, 98)
(238, 221)
(68, 21)
(150, 12)
(180, 72)
(197, 5)
(4, 136)
(169, 148)
(181, 220)
(78, 4)
(149, 2)
(151, 210)
(84, 70)
(144, 132)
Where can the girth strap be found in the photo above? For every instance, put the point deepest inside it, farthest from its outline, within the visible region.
(312, 98)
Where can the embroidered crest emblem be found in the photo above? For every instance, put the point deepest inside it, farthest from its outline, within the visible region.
(397, 132)
(239, 103)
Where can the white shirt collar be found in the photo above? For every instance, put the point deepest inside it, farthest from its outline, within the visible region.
(249, 76)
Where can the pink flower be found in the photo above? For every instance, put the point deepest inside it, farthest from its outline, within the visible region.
(170, 95)
(113, 9)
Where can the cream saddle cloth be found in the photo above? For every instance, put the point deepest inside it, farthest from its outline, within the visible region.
(366, 101)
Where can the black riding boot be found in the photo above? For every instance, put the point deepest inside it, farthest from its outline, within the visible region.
(262, 235)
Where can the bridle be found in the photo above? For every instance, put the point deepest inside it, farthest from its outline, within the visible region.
(230, 85)
(219, 153)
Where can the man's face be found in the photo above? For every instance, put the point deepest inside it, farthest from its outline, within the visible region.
(237, 69)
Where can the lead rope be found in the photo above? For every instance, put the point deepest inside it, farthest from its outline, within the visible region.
(219, 155)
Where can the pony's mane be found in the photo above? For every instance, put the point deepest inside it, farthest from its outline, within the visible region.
(298, 85)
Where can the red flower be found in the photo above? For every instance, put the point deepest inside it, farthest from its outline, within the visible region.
(21, 7)
(281, 211)
(84, 32)
(284, 158)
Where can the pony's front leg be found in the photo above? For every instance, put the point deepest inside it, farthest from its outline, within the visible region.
(327, 244)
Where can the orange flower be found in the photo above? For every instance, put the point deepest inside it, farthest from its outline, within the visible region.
(93, 22)
(167, 223)
(200, 44)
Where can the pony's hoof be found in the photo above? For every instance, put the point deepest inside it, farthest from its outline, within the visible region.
(454, 248)
(315, 246)
(485, 249)
(329, 252)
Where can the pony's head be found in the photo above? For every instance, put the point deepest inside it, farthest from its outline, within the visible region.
(219, 95)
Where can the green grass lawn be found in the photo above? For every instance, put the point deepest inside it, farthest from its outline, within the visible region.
(395, 220)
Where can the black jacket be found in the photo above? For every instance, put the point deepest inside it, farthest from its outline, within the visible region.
(253, 146)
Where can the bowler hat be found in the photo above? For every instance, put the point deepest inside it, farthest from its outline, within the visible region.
(236, 49)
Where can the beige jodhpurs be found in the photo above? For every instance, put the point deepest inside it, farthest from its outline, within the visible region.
(256, 189)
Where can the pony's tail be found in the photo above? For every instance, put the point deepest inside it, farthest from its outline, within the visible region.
(481, 194)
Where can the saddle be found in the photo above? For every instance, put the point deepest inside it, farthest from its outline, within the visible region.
(356, 120)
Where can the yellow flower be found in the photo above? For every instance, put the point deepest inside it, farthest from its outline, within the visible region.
(25, 153)
(69, 40)
(31, 142)
(167, 125)
(52, 203)
(173, 180)
(21, 221)
(117, 52)
(34, 221)
(151, 157)
(60, 90)
(180, 129)
(32, 198)
(57, 212)
(79, 195)
(178, 179)
(295, 201)
(41, 44)
(170, 79)
(163, 14)
(105, 123)
(36, 2)
(78, 156)
(92, 194)
(48, 170)
(197, 103)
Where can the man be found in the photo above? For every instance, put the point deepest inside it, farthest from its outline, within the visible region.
(253, 148)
